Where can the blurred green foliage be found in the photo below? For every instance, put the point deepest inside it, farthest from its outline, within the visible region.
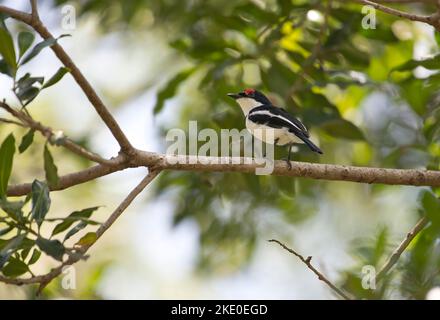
(317, 61)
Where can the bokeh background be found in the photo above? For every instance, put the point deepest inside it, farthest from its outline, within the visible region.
(159, 64)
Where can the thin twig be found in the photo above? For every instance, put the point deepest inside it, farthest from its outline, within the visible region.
(432, 19)
(405, 1)
(307, 262)
(43, 280)
(4, 120)
(126, 202)
(34, 8)
(47, 132)
(392, 260)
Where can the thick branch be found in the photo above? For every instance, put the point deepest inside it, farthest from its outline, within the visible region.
(392, 260)
(307, 262)
(18, 15)
(69, 180)
(412, 177)
(43, 280)
(101, 109)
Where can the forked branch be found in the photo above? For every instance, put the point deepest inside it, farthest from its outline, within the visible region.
(308, 262)
(34, 21)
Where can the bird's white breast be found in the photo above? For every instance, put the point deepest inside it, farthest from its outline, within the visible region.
(282, 136)
(247, 104)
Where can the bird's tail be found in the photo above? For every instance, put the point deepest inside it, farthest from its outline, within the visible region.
(312, 146)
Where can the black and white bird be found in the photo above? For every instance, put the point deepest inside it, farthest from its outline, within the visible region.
(261, 114)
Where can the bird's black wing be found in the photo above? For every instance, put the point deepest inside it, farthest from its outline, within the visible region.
(297, 123)
(277, 118)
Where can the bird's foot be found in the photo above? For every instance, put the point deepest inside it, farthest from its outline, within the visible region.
(289, 164)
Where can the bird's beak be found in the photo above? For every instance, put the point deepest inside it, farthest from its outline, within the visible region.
(233, 95)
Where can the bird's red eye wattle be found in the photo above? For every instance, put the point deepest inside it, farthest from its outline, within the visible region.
(249, 92)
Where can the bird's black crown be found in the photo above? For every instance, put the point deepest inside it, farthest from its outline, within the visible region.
(252, 94)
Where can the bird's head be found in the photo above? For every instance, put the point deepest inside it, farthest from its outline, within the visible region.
(249, 99)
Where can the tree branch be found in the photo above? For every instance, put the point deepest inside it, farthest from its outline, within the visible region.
(70, 180)
(392, 260)
(412, 177)
(34, 9)
(307, 262)
(27, 121)
(18, 15)
(4, 120)
(126, 202)
(43, 280)
(34, 21)
(432, 20)
(406, 1)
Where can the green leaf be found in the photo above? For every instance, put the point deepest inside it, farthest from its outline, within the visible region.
(25, 40)
(5, 231)
(25, 90)
(72, 218)
(12, 243)
(4, 257)
(56, 77)
(40, 201)
(285, 186)
(36, 254)
(40, 46)
(81, 225)
(429, 63)
(27, 81)
(13, 209)
(7, 151)
(87, 239)
(28, 95)
(170, 89)
(37, 49)
(15, 268)
(3, 17)
(24, 253)
(341, 128)
(7, 49)
(5, 68)
(26, 141)
(8, 247)
(431, 207)
(50, 168)
(53, 248)
(27, 243)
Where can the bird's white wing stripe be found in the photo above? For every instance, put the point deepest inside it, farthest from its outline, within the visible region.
(266, 112)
